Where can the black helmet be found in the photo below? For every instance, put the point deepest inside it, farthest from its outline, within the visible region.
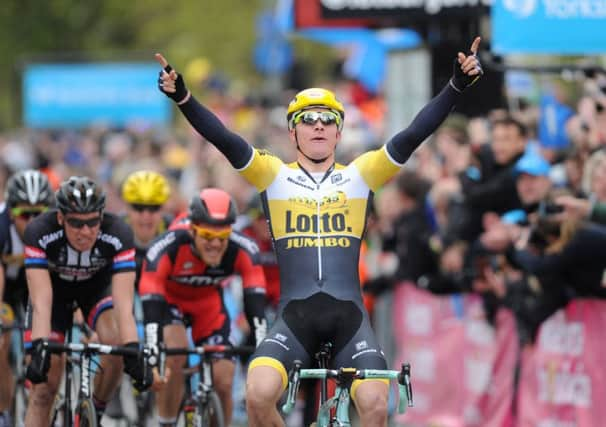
(28, 187)
(80, 194)
(214, 207)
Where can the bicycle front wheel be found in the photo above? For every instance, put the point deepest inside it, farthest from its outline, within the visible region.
(210, 413)
(86, 415)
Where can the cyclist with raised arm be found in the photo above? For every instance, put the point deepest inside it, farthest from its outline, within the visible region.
(317, 211)
(27, 195)
(79, 256)
(181, 282)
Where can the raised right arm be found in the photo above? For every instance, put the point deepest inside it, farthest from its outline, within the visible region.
(233, 146)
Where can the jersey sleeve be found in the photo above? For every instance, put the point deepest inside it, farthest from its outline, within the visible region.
(376, 167)
(34, 248)
(157, 266)
(261, 170)
(124, 259)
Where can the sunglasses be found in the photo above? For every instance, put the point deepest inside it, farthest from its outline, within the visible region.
(211, 233)
(311, 117)
(27, 213)
(80, 223)
(149, 208)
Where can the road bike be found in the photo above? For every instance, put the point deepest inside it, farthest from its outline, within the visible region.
(81, 356)
(202, 406)
(334, 411)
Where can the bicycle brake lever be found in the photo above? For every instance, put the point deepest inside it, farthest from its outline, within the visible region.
(293, 387)
(408, 383)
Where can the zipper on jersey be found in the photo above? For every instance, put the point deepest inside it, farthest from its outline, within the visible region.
(318, 222)
(318, 235)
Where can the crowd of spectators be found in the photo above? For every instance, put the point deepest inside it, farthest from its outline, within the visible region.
(488, 207)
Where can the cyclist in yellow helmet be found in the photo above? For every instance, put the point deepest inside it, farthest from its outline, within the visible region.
(317, 209)
(145, 193)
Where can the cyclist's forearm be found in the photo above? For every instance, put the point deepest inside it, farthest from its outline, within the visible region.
(403, 144)
(41, 297)
(233, 146)
(123, 291)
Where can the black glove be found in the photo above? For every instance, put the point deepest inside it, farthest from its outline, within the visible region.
(137, 369)
(40, 362)
(180, 90)
(462, 81)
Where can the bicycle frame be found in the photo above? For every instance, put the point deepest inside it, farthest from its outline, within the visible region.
(341, 400)
(204, 369)
(86, 353)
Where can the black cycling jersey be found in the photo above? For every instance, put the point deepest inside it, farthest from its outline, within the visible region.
(46, 246)
(11, 251)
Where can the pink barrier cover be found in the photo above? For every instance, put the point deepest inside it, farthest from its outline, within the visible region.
(562, 381)
(462, 368)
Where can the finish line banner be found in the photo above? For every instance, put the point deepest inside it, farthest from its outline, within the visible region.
(80, 95)
(560, 27)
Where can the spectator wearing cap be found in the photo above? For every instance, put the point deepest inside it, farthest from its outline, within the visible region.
(532, 179)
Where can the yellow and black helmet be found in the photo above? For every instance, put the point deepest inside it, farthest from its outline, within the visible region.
(145, 188)
(314, 97)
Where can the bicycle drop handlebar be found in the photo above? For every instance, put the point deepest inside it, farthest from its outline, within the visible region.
(203, 350)
(95, 348)
(343, 375)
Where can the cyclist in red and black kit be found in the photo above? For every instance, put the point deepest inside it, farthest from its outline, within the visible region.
(181, 283)
(79, 256)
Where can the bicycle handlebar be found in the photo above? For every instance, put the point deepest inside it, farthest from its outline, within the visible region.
(402, 376)
(200, 350)
(56, 347)
(208, 349)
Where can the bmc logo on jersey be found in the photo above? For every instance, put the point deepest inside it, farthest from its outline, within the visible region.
(157, 247)
(31, 252)
(199, 280)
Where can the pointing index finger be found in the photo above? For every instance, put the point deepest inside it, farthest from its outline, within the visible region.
(163, 62)
(475, 45)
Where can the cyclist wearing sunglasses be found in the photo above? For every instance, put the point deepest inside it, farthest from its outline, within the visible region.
(79, 255)
(181, 282)
(145, 193)
(317, 212)
(27, 195)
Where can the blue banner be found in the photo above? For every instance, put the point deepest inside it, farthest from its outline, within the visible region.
(561, 27)
(79, 95)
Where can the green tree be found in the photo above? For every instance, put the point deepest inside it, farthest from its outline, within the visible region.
(55, 30)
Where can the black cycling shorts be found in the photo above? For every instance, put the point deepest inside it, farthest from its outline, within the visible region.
(303, 325)
(66, 298)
